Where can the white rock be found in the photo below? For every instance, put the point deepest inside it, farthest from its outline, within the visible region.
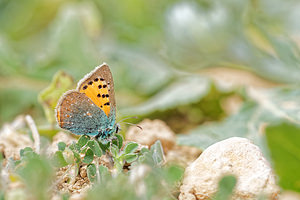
(237, 156)
(152, 130)
(12, 140)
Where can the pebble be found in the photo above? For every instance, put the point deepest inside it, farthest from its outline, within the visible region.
(236, 156)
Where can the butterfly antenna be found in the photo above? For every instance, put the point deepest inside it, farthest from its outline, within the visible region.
(134, 125)
(133, 117)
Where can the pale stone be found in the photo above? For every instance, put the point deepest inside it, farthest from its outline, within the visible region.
(12, 140)
(236, 156)
(83, 171)
(151, 132)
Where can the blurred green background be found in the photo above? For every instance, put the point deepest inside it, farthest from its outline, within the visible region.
(211, 69)
(168, 58)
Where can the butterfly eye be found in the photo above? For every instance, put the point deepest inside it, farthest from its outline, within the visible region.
(117, 129)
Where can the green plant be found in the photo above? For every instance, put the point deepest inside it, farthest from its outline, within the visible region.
(284, 144)
(89, 150)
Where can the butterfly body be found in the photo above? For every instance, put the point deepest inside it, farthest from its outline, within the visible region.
(91, 108)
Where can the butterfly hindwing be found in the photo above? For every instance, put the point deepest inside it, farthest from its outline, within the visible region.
(79, 114)
(99, 87)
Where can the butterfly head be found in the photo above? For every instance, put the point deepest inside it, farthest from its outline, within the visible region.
(109, 131)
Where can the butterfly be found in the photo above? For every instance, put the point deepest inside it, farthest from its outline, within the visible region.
(91, 108)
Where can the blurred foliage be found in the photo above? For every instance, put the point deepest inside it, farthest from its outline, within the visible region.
(261, 108)
(226, 186)
(154, 183)
(36, 172)
(158, 52)
(49, 97)
(284, 143)
(151, 46)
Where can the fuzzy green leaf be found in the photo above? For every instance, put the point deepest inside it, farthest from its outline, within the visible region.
(25, 150)
(61, 82)
(104, 173)
(284, 144)
(261, 107)
(91, 172)
(226, 186)
(77, 156)
(174, 174)
(144, 150)
(114, 150)
(59, 160)
(120, 140)
(61, 146)
(27, 153)
(83, 140)
(95, 147)
(130, 147)
(37, 174)
(130, 157)
(72, 146)
(69, 156)
(157, 152)
(191, 89)
(104, 146)
(89, 156)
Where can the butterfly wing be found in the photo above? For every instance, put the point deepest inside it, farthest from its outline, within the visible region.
(99, 87)
(79, 114)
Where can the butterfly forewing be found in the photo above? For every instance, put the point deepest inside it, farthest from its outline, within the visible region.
(99, 87)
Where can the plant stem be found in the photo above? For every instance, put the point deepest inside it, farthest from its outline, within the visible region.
(35, 133)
